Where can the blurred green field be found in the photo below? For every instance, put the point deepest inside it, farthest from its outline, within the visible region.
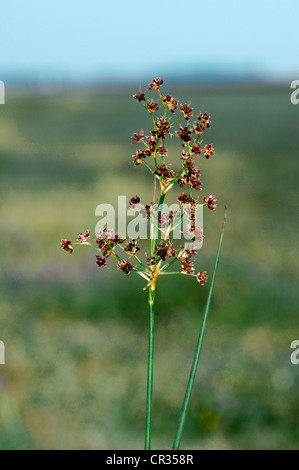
(76, 336)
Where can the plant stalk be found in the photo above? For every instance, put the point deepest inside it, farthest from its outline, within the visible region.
(184, 410)
(149, 393)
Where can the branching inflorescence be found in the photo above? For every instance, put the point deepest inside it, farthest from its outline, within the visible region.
(153, 155)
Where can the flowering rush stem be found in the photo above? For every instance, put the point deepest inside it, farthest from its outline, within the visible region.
(150, 368)
(184, 410)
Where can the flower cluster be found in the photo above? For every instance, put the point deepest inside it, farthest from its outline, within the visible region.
(153, 154)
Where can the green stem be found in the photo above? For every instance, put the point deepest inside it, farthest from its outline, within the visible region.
(149, 393)
(156, 227)
(184, 410)
(166, 266)
(176, 120)
(148, 167)
(174, 272)
(135, 256)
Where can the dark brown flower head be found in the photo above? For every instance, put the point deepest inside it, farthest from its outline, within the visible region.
(185, 155)
(137, 137)
(189, 166)
(196, 149)
(202, 277)
(66, 245)
(194, 181)
(173, 105)
(164, 171)
(156, 83)
(118, 239)
(192, 174)
(163, 250)
(100, 261)
(182, 180)
(83, 237)
(198, 129)
(132, 247)
(140, 96)
(125, 266)
(187, 267)
(184, 133)
(188, 253)
(210, 202)
(186, 199)
(134, 200)
(150, 262)
(162, 150)
(106, 240)
(151, 141)
(209, 151)
(170, 103)
(159, 134)
(140, 155)
(152, 106)
(166, 100)
(163, 124)
(204, 118)
(186, 110)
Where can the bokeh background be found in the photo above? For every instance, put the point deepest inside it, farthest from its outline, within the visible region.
(76, 336)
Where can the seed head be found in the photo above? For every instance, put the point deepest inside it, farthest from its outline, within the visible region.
(140, 155)
(202, 277)
(164, 171)
(186, 110)
(137, 137)
(196, 149)
(156, 83)
(210, 202)
(83, 237)
(209, 151)
(187, 267)
(170, 103)
(185, 155)
(66, 245)
(152, 106)
(198, 129)
(184, 133)
(134, 200)
(125, 266)
(150, 261)
(100, 261)
(132, 247)
(140, 96)
(163, 250)
(204, 118)
(161, 149)
(151, 141)
(186, 199)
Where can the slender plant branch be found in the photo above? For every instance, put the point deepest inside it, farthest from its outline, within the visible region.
(184, 410)
(149, 392)
(156, 227)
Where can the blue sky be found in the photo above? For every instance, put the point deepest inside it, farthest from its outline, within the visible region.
(90, 39)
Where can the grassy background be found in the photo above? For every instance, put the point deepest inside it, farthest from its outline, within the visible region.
(76, 336)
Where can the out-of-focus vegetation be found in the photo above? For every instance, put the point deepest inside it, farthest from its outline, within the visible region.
(76, 336)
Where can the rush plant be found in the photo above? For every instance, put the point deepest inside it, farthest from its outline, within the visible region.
(172, 120)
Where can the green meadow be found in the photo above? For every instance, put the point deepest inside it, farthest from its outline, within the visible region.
(76, 336)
